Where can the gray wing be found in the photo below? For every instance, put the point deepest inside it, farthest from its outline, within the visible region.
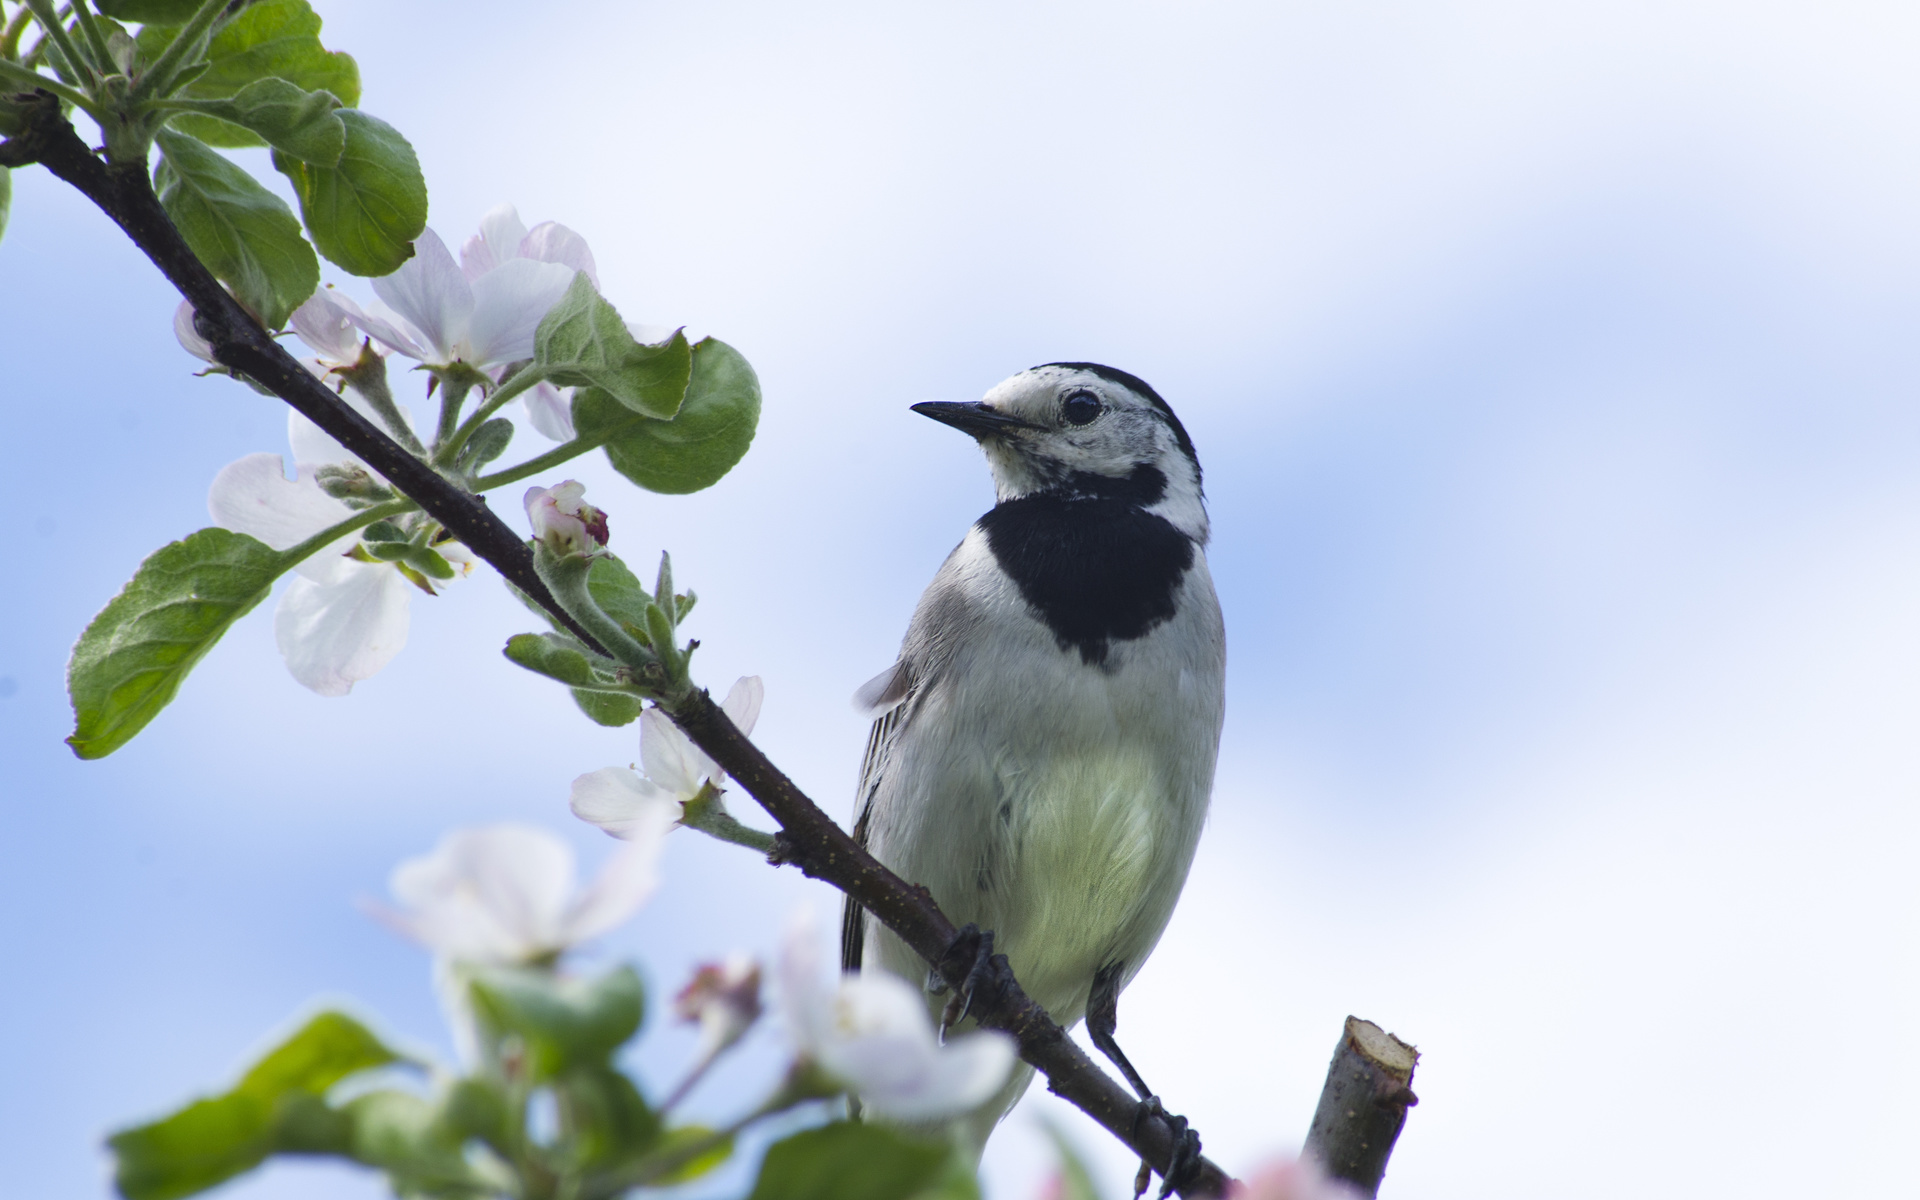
(890, 690)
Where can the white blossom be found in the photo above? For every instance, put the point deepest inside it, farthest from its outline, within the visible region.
(482, 312)
(506, 895)
(619, 800)
(873, 1033)
(342, 619)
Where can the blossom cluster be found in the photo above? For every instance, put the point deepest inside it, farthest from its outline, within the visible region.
(347, 614)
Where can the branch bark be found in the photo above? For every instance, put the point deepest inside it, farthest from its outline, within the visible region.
(809, 838)
(1363, 1105)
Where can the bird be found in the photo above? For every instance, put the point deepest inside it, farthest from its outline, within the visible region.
(1042, 753)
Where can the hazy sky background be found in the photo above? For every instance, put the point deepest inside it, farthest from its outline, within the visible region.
(1554, 371)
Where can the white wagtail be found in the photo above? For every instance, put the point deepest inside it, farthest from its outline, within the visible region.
(1045, 745)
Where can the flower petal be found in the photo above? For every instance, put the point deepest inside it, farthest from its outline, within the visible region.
(189, 337)
(553, 242)
(508, 303)
(523, 877)
(624, 804)
(621, 887)
(488, 895)
(254, 496)
(551, 411)
(391, 330)
(431, 294)
(742, 704)
(336, 633)
(329, 326)
(501, 232)
(670, 758)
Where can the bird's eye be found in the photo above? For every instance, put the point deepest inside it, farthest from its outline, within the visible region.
(1079, 407)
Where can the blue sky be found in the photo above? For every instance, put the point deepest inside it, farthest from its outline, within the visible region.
(1553, 368)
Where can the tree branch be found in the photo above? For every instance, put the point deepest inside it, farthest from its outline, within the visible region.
(1364, 1104)
(124, 193)
(809, 839)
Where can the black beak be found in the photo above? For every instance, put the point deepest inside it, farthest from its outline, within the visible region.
(976, 418)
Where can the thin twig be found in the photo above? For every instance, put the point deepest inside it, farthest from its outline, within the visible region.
(809, 839)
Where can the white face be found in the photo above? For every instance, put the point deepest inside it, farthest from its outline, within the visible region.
(1091, 432)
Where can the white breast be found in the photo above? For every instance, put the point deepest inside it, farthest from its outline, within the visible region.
(1053, 802)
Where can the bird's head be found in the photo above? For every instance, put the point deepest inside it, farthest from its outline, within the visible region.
(1084, 430)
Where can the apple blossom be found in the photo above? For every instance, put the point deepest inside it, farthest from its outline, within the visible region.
(619, 800)
(1300, 1178)
(505, 895)
(482, 313)
(873, 1033)
(565, 522)
(345, 616)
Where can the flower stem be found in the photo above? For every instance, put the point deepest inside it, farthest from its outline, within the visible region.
(709, 815)
(368, 377)
(332, 533)
(534, 466)
(450, 440)
(453, 394)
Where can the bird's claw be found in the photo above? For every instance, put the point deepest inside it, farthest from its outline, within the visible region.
(971, 959)
(1185, 1161)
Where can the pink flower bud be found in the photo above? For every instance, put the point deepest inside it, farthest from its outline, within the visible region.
(723, 999)
(563, 521)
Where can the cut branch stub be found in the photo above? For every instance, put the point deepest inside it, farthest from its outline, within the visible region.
(1363, 1105)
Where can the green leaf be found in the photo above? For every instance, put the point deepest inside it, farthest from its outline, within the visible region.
(582, 342)
(956, 1181)
(608, 708)
(268, 39)
(845, 1161)
(150, 12)
(364, 212)
(129, 663)
(303, 124)
(478, 1108)
(277, 1106)
(677, 1142)
(704, 441)
(6, 198)
(606, 1115)
(245, 234)
(566, 1023)
(554, 655)
(488, 442)
(324, 1051)
(401, 1134)
(201, 1145)
(619, 594)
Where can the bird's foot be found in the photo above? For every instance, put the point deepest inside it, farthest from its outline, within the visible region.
(970, 960)
(1185, 1162)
